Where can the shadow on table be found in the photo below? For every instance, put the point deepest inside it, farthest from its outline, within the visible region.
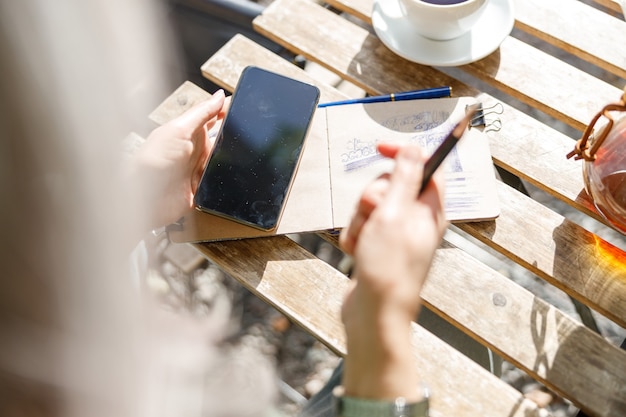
(574, 348)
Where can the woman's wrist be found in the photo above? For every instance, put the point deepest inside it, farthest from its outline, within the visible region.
(379, 361)
(346, 406)
(385, 372)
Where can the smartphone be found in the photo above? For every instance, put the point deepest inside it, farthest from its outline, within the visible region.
(257, 151)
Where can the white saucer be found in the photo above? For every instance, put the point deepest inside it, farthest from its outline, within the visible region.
(399, 35)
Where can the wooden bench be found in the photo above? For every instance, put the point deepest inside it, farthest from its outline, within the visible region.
(551, 346)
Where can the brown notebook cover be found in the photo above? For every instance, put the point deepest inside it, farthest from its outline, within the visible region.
(340, 160)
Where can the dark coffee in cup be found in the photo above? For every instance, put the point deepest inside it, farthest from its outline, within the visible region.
(444, 2)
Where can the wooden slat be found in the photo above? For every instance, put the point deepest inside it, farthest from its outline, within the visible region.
(517, 148)
(576, 28)
(361, 9)
(298, 284)
(536, 251)
(557, 250)
(310, 292)
(186, 96)
(544, 82)
(302, 26)
(304, 288)
(224, 68)
(562, 354)
(518, 69)
(536, 153)
(537, 337)
(611, 5)
(533, 335)
(510, 153)
(518, 156)
(455, 275)
(360, 58)
(571, 25)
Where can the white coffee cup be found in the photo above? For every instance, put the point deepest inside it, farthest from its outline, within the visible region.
(443, 19)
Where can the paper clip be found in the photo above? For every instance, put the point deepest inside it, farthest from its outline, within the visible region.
(489, 124)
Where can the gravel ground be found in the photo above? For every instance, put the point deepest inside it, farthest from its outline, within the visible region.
(183, 280)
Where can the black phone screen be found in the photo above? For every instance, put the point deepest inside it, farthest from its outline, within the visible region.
(256, 153)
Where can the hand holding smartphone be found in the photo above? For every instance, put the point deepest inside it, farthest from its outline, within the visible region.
(258, 149)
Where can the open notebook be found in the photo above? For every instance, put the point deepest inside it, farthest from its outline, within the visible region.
(340, 160)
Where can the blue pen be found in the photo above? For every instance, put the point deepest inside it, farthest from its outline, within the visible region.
(437, 92)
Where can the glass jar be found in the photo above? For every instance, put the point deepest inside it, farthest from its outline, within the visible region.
(604, 167)
(605, 177)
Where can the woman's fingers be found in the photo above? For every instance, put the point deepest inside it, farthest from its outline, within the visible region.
(203, 112)
(370, 199)
(406, 176)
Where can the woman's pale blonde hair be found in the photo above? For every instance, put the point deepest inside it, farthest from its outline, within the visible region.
(76, 337)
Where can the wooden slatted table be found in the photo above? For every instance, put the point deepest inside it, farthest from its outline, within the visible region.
(537, 337)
